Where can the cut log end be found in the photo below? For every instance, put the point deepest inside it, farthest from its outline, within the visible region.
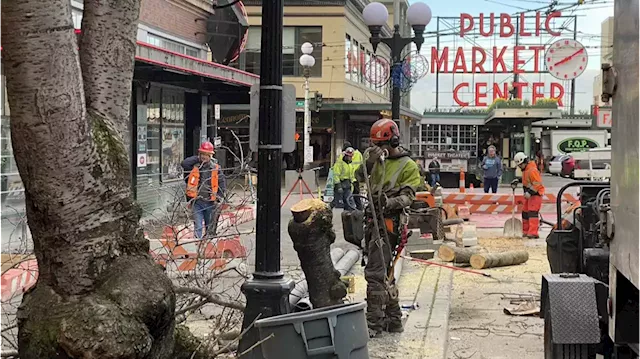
(456, 254)
(302, 210)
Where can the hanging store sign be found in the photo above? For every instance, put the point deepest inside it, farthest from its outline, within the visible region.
(566, 57)
(459, 155)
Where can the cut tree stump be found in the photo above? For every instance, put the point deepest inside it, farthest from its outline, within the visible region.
(491, 260)
(311, 230)
(458, 254)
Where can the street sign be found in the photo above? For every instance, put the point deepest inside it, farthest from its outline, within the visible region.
(308, 155)
(217, 141)
(300, 103)
(216, 111)
(288, 117)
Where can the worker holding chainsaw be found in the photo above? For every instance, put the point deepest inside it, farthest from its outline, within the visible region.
(533, 192)
(391, 177)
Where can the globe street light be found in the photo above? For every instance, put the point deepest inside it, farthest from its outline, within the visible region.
(307, 61)
(375, 16)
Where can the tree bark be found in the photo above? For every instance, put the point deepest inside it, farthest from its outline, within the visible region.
(99, 294)
(457, 254)
(311, 230)
(491, 260)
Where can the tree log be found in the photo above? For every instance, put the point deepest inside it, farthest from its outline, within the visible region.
(311, 230)
(99, 294)
(491, 260)
(457, 254)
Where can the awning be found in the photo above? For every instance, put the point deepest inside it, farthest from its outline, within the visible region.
(192, 65)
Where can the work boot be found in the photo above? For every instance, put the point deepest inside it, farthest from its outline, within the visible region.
(395, 326)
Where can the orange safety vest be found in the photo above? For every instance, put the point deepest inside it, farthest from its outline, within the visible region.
(193, 181)
(531, 178)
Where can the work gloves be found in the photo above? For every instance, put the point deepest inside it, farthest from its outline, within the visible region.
(373, 154)
(527, 195)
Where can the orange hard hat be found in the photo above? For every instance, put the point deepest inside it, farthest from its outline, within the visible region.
(206, 147)
(384, 130)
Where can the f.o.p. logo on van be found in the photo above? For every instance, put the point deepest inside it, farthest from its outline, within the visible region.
(576, 144)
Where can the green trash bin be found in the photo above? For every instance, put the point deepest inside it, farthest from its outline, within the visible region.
(336, 332)
(508, 175)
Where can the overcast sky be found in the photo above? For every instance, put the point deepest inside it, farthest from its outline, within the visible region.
(589, 22)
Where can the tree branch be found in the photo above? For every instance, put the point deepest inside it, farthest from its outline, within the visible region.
(209, 297)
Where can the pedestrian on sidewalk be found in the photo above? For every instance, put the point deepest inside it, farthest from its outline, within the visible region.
(206, 186)
(434, 172)
(356, 161)
(492, 167)
(533, 192)
(392, 184)
(343, 179)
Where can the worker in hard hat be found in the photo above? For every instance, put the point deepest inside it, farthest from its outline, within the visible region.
(343, 178)
(356, 161)
(392, 183)
(206, 186)
(533, 192)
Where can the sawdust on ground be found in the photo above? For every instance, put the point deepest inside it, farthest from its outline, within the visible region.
(478, 328)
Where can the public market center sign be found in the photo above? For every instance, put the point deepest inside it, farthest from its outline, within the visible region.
(505, 26)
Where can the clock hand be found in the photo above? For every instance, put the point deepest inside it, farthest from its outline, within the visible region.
(568, 58)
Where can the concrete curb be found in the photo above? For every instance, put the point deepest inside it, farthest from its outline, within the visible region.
(426, 329)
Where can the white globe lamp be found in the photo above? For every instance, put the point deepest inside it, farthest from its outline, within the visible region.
(419, 14)
(307, 60)
(375, 14)
(306, 48)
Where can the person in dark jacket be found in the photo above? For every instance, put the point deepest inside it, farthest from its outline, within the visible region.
(434, 172)
(206, 186)
(492, 167)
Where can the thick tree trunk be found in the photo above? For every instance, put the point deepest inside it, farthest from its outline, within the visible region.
(457, 254)
(311, 230)
(491, 260)
(99, 294)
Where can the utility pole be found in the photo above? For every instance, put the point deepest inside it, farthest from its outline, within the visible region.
(307, 119)
(267, 292)
(572, 107)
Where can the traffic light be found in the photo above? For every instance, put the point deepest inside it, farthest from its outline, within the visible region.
(318, 101)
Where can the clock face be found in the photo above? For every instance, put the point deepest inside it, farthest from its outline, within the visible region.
(566, 59)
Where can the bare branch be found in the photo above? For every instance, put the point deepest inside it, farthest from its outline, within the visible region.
(210, 297)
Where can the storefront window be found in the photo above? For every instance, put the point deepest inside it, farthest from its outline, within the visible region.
(292, 39)
(13, 225)
(450, 137)
(312, 34)
(172, 133)
(170, 45)
(252, 50)
(347, 57)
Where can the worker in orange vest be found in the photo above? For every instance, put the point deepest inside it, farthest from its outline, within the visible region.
(206, 186)
(533, 192)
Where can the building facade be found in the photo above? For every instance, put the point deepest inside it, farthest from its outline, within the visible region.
(343, 74)
(606, 56)
(173, 92)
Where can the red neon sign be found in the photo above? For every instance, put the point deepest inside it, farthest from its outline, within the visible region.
(505, 60)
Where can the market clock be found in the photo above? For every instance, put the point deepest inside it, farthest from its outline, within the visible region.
(566, 59)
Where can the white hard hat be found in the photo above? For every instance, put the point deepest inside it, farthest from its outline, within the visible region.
(519, 158)
(349, 151)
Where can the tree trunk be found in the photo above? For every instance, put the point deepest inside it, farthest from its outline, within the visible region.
(99, 294)
(490, 260)
(311, 230)
(457, 254)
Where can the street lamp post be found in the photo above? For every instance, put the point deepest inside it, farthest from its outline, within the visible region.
(307, 61)
(267, 292)
(375, 16)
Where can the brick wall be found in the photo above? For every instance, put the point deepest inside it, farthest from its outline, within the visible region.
(175, 17)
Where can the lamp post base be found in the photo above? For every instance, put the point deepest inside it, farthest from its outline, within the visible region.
(268, 297)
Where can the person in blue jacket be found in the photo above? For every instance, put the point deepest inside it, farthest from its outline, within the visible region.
(492, 167)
